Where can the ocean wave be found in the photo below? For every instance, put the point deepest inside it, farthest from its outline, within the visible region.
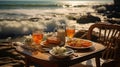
(30, 5)
(14, 28)
(40, 5)
(48, 4)
(48, 17)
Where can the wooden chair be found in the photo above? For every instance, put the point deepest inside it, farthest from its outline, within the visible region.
(109, 35)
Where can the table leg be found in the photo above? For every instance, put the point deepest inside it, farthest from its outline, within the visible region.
(97, 59)
(27, 64)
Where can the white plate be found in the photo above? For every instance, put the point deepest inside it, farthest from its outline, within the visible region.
(81, 46)
(51, 45)
(68, 52)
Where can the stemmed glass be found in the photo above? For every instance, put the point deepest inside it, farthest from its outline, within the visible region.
(70, 31)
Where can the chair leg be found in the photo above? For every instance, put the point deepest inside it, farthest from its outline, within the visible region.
(110, 63)
(97, 59)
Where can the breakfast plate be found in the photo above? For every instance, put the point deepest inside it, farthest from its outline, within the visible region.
(61, 52)
(78, 43)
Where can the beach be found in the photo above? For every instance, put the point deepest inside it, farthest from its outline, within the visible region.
(23, 20)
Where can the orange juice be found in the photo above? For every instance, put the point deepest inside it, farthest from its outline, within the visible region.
(70, 32)
(37, 37)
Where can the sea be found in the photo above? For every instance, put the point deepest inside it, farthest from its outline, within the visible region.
(15, 15)
(50, 4)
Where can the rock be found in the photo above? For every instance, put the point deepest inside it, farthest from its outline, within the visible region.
(88, 19)
(71, 17)
(80, 34)
(101, 9)
(114, 21)
(111, 11)
(83, 34)
(114, 14)
(34, 19)
(116, 2)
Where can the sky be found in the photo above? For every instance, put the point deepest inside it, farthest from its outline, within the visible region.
(42, 0)
(27, 0)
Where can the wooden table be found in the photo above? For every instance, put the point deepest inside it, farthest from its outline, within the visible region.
(46, 60)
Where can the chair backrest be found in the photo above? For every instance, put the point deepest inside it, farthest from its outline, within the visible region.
(108, 35)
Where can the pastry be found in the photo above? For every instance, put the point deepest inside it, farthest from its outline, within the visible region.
(53, 40)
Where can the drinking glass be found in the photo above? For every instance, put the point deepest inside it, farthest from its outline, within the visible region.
(70, 31)
(61, 32)
(37, 36)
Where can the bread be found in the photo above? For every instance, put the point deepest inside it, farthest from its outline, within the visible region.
(53, 40)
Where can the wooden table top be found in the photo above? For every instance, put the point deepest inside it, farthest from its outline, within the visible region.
(81, 54)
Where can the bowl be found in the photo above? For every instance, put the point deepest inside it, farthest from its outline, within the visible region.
(60, 52)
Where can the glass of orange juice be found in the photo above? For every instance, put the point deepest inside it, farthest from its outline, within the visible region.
(70, 31)
(37, 36)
